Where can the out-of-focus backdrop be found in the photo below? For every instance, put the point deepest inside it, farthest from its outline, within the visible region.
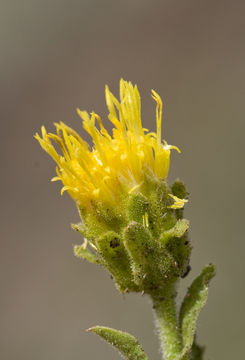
(58, 55)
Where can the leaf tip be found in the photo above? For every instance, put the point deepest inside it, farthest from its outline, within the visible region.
(90, 329)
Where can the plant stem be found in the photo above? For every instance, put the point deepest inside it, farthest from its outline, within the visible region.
(165, 311)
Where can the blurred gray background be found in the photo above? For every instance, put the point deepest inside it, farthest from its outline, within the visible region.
(58, 55)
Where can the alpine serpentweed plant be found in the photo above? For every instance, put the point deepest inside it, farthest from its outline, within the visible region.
(131, 218)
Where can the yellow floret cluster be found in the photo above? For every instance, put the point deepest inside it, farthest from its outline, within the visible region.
(115, 163)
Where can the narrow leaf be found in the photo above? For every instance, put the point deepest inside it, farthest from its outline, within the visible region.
(194, 301)
(127, 345)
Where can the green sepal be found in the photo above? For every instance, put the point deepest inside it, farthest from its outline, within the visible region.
(115, 258)
(84, 253)
(125, 343)
(194, 301)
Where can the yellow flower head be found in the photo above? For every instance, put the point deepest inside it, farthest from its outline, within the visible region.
(116, 163)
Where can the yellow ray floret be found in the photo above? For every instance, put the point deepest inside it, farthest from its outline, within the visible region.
(178, 203)
(116, 163)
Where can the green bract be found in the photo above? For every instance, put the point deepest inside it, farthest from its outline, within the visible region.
(144, 245)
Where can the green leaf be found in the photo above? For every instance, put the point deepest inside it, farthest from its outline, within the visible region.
(194, 301)
(81, 252)
(127, 345)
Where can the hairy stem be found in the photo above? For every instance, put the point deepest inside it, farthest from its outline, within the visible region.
(165, 311)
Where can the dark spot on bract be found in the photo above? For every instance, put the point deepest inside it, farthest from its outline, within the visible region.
(114, 243)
